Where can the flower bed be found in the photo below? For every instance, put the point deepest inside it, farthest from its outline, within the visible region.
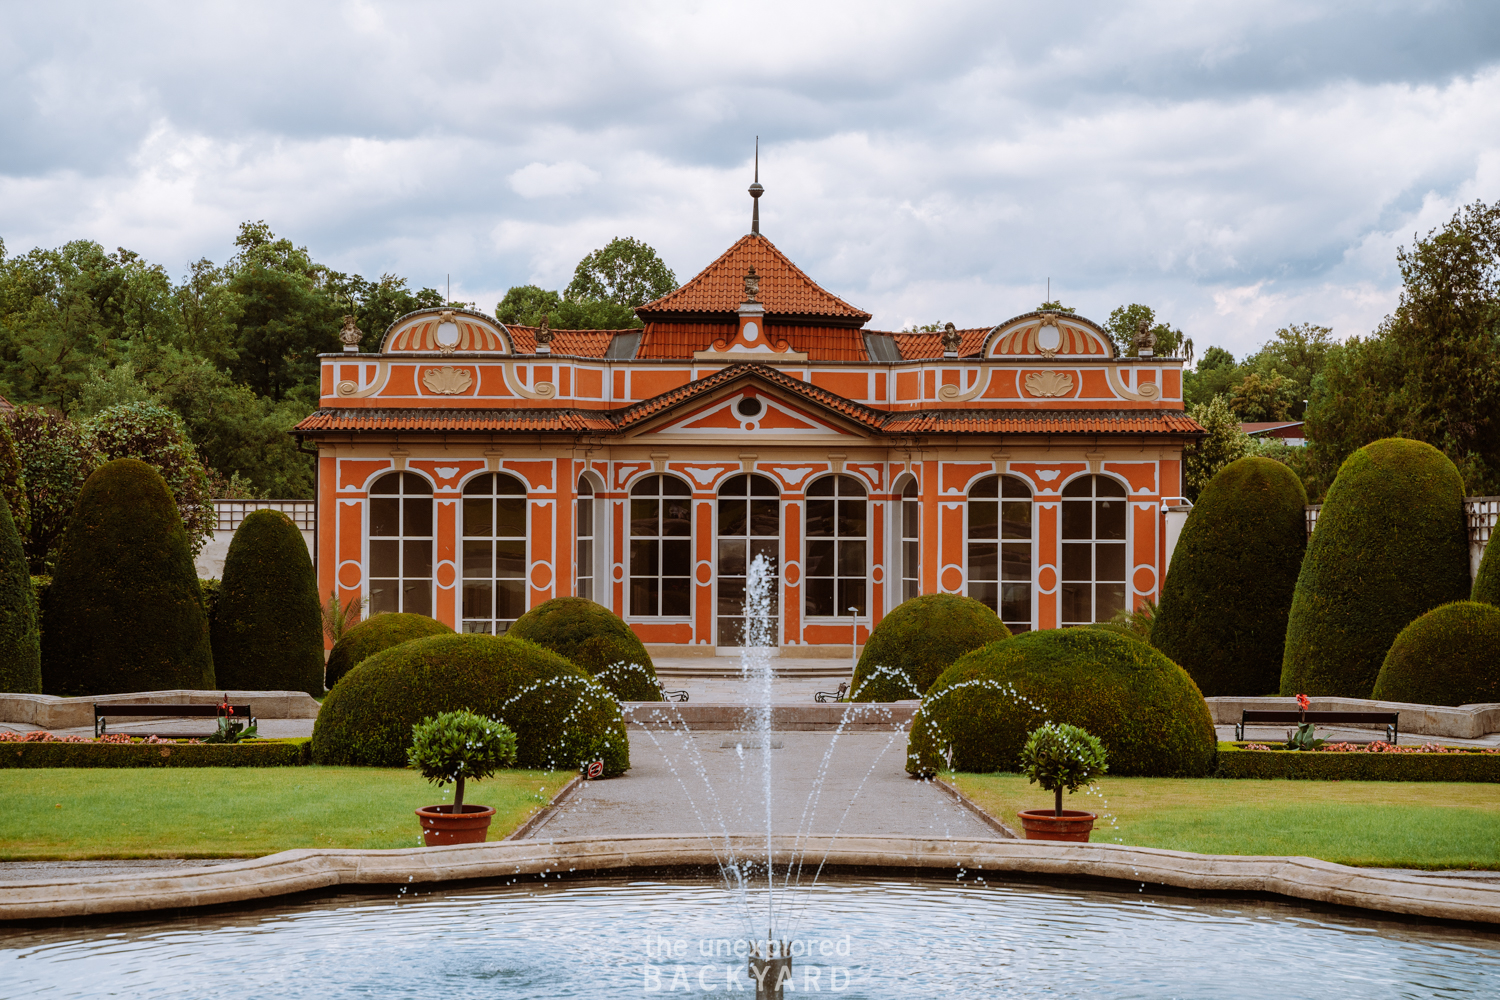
(1378, 761)
(43, 749)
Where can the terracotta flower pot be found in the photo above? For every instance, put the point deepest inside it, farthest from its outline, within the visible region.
(441, 826)
(1041, 824)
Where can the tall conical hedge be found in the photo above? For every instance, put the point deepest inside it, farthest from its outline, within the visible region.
(268, 624)
(20, 649)
(125, 612)
(1487, 580)
(1391, 544)
(1226, 597)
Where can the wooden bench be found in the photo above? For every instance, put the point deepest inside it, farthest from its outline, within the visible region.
(101, 710)
(840, 695)
(1388, 719)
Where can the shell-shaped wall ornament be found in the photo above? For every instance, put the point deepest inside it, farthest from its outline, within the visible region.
(447, 380)
(1049, 383)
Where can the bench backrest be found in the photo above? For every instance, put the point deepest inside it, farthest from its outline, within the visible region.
(102, 710)
(1380, 718)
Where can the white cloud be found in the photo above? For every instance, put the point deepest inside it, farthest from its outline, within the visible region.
(547, 180)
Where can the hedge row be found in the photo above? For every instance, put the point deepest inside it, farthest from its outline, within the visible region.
(1236, 762)
(256, 753)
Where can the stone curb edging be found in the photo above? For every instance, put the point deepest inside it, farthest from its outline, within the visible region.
(311, 870)
(990, 821)
(1464, 722)
(848, 717)
(52, 712)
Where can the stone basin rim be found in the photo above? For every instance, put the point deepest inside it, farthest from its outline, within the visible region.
(308, 870)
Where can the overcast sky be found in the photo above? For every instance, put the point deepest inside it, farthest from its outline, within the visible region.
(1238, 165)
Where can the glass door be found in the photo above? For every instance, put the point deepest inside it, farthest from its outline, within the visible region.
(749, 526)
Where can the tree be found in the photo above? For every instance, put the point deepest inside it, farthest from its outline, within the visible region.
(156, 435)
(1257, 398)
(13, 482)
(1123, 323)
(1224, 443)
(20, 642)
(526, 305)
(1054, 306)
(1298, 354)
(624, 271)
(55, 463)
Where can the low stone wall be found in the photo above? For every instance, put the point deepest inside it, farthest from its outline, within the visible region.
(1466, 722)
(325, 870)
(849, 717)
(50, 712)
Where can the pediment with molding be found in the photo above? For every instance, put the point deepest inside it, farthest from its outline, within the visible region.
(744, 412)
(1048, 335)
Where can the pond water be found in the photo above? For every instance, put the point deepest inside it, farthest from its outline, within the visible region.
(852, 937)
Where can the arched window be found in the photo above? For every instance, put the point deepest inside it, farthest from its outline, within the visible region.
(583, 525)
(999, 545)
(1093, 550)
(837, 553)
(494, 526)
(401, 544)
(661, 548)
(749, 526)
(911, 551)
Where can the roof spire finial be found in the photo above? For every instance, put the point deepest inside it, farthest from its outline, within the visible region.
(755, 192)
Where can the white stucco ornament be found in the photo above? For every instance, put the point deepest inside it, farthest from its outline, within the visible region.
(1049, 383)
(447, 380)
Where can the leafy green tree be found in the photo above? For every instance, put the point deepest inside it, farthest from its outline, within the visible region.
(526, 305)
(1054, 306)
(20, 641)
(13, 482)
(1257, 398)
(624, 271)
(1298, 354)
(156, 435)
(1125, 320)
(1224, 443)
(55, 462)
(1215, 375)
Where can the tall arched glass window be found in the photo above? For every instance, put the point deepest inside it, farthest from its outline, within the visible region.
(661, 548)
(583, 525)
(837, 551)
(911, 549)
(999, 546)
(1093, 550)
(401, 544)
(494, 527)
(749, 526)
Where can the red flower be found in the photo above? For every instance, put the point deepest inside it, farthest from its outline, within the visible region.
(1302, 702)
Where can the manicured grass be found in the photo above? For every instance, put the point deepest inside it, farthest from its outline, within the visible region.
(1388, 824)
(214, 812)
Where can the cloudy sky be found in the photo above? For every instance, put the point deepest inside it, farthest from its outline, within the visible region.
(1236, 165)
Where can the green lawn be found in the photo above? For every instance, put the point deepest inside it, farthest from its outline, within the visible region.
(1373, 823)
(214, 812)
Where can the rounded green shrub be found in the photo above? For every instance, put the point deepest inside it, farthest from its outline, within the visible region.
(376, 633)
(124, 611)
(1487, 580)
(591, 636)
(917, 641)
(1391, 544)
(1226, 598)
(20, 641)
(1449, 656)
(561, 717)
(1144, 708)
(267, 626)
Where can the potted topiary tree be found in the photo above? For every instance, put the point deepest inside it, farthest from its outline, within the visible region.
(458, 747)
(1058, 756)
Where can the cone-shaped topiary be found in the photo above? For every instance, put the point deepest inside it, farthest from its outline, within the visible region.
(561, 717)
(1226, 598)
(1487, 580)
(1391, 544)
(376, 633)
(267, 626)
(20, 645)
(1144, 708)
(125, 612)
(917, 641)
(1449, 656)
(591, 636)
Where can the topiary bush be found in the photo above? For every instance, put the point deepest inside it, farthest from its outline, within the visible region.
(1449, 656)
(596, 639)
(55, 463)
(267, 626)
(20, 642)
(124, 611)
(377, 633)
(1487, 580)
(1391, 544)
(1144, 708)
(561, 717)
(917, 641)
(1226, 598)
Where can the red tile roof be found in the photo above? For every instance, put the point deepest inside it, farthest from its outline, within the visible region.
(819, 343)
(574, 343)
(1042, 422)
(914, 346)
(517, 420)
(646, 409)
(784, 288)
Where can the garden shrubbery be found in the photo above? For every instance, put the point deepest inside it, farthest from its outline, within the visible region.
(376, 633)
(561, 717)
(125, 611)
(917, 641)
(20, 642)
(1144, 708)
(591, 636)
(1449, 656)
(1225, 601)
(267, 626)
(1487, 580)
(1240, 762)
(1391, 544)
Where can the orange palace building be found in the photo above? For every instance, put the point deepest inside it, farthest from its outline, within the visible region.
(470, 470)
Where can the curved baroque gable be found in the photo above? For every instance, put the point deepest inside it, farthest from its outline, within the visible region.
(1077, 338)
(416, 332)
